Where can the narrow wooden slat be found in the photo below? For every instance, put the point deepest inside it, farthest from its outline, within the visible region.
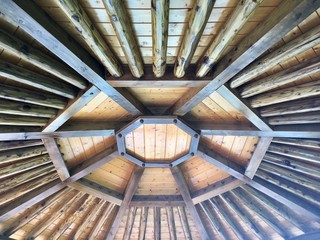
(282, 78)
(157, 223)
(287, 51)
(285, 17)
(24, 76)
(129, 223)
(298, 142)
(122, 25)
(56, 158)
(299, 118)
(21, 120)
(12, 156)
(9, 145)
(184, 223)
(78, 17)
(160, 23)
(72, 108)
(25, 109)
(257, 156)
(171, 223)
(297, 106)
(184, 190)
(243, 107)
(27, 96)
(197, 22)
(309, 89)
(130, 190)
(34, 56)
(143, 222)
(242, 13)
(48, 36)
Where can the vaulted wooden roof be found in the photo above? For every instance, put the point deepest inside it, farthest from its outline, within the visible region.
(191, 119)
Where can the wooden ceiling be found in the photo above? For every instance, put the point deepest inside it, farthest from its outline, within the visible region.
(244, 75)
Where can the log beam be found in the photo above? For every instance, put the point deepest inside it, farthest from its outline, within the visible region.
(129, 224)
(171, 223)
(283, 19)
(184, 223)
(157, 223)
(121, 23)
(238, 18)
(299, 118)
(184, 190)
(198, 20)
(160, 23)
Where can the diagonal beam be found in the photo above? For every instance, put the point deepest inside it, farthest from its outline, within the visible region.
(283, 19)
(222, 162)
(56, 158)
(130, 190)
(184, 190)
(257, 156)
(47, 34)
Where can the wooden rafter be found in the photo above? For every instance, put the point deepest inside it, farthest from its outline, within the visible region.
(284, 18)
(184, 190)
(130, 190)
(122, 25)
(58, 43)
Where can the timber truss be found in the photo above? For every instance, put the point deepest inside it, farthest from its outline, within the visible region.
(56, 41)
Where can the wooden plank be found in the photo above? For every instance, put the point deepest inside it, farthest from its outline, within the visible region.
(20, 14)
(129, 223)
(257, 156)
(37, 58)
(56, 158)
(130, 190)
(298, 118)
(197, 22)
(221, 42)
(280, 55)
(184, 190)
(315, 144)
(157, 223)
(243, 107)
(171, 223)
(286, 16)
(143, 222)
(9, 145)
(122, 25)
(184, 223)
(160, 21)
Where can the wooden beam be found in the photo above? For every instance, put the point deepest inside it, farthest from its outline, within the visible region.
(184, 190)
(21, 120)
(97, 190)
(11, 156)
(157, 201)
(160, 23)
(283, 19)
(171, 223)
(36, 80)
(238, 18)
(90, 35)
(130, 190)
(197, 22)
(305, 90)
(282, 78)
(56, 158)
(9, 145)
(122, 25)
(28, 96)
(19, 15)
(184, 223)
(143, 222)
(215, 189)
(129, 224)
(257, 156)
(224, 163)
(299, 118)
(292, 107)
(25, 109)
(314, 144)
(287, 51)
(244, 108)
(72, 108)
(157, 223)
(70, 126)
(37, 58)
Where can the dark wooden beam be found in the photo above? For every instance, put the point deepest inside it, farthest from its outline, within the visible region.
(9, 145)
(298, 118)
(157, 223)
(157, 201)
(19, 14)
(185, 223)
(130, 190)
(184, 190)
(56, 158)
(171, 223)
(283, 19)
(11, 156)
(257, 156)
(313, 144)
(143, 222)
(129, 224)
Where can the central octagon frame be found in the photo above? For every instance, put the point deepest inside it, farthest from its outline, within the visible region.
(120, 137)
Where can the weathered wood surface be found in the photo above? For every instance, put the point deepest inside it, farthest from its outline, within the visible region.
(287, 51)
(122, 25)
(37, 58)
(171, 223)
(8, 145)
(299, 118)
(296, 106)
(184, 222)
(22, 120)
(143, 223)
(282, 78)
(200, 14)
(160, 22)
(239, 17)
(305, 90)
(157, 223)
(281, 20)
(299, 142)
(23, 153)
